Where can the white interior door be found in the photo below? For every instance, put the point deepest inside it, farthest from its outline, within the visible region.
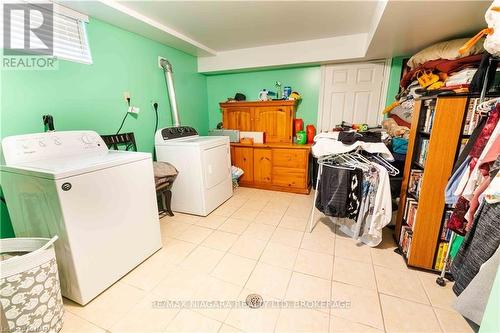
(352, 92)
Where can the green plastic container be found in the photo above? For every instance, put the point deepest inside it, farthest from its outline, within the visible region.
(301, 137)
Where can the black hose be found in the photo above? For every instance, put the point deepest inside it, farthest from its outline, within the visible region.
(126, 114)
(155, 106)
(123, 122)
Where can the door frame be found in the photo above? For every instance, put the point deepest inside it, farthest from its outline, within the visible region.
(383, 93)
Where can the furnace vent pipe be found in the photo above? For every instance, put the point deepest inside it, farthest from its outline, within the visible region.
(167, 68)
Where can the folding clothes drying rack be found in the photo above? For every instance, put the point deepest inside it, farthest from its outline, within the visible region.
(352, 160)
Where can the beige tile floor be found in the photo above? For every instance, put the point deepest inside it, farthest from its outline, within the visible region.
(257, 242)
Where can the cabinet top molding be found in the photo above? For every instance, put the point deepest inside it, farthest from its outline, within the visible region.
(259, 103)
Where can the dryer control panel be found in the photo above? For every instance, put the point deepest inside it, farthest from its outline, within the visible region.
(170, 133)
(32, 147)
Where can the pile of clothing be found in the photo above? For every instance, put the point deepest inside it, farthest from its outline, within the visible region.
(339, 142)
(437, 69)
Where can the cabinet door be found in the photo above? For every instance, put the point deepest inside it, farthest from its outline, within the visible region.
(262, 165)
(275, 121)
(243, 158)
(238, 118)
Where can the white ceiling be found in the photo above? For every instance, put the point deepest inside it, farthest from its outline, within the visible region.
(243, 35)
(226, 26)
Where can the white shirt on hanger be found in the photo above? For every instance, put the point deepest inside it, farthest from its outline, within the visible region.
(371, 234)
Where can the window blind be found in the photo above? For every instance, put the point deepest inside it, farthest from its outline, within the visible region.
(68, 29)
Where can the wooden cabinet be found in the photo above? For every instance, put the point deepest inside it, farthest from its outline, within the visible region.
(240, 118)
(274, 118)
(278, 164)
(281, 167)
(275, 121)
(262, 165)
(243, 158)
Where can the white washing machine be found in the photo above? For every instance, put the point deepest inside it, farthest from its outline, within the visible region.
(101, 203)
(204, 164)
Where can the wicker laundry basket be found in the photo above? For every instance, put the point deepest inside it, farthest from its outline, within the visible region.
(30, 293)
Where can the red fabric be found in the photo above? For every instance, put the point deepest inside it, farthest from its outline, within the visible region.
(442, 65)
(490, 156)
(457, 221)
(485, 135)
(400, 121)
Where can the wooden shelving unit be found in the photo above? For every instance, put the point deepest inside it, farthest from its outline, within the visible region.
(444, 140)
(278, 164)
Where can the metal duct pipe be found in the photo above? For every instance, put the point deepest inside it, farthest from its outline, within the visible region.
(167, 68)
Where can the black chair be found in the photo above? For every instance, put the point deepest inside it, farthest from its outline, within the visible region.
(117, 141)
(163, 182)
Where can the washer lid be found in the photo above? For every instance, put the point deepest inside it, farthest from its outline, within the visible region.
(199, 141)
(67, 166)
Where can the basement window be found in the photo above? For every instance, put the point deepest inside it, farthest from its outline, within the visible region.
(69, 32)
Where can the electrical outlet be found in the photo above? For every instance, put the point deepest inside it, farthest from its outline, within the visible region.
(133, 109)
(160, 58)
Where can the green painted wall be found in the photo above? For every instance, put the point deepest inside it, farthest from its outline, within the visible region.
(305, 80)
(91, 96)
(491, 320)
(394, 78)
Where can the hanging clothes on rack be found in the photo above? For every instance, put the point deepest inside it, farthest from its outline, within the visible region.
(376, 212)
(480, 243)
(333, 191)
(471, 182)
(355, 193)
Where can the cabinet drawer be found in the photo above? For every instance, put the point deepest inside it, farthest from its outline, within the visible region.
(289, 177)
(290, 158)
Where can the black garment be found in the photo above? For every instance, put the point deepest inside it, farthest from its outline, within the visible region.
(479, 245)
(348, 138)
(470, 143)
(354, 197)
(476, 84)
(333, 191)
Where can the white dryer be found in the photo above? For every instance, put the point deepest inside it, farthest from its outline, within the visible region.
(204, 164)
(101, 203)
